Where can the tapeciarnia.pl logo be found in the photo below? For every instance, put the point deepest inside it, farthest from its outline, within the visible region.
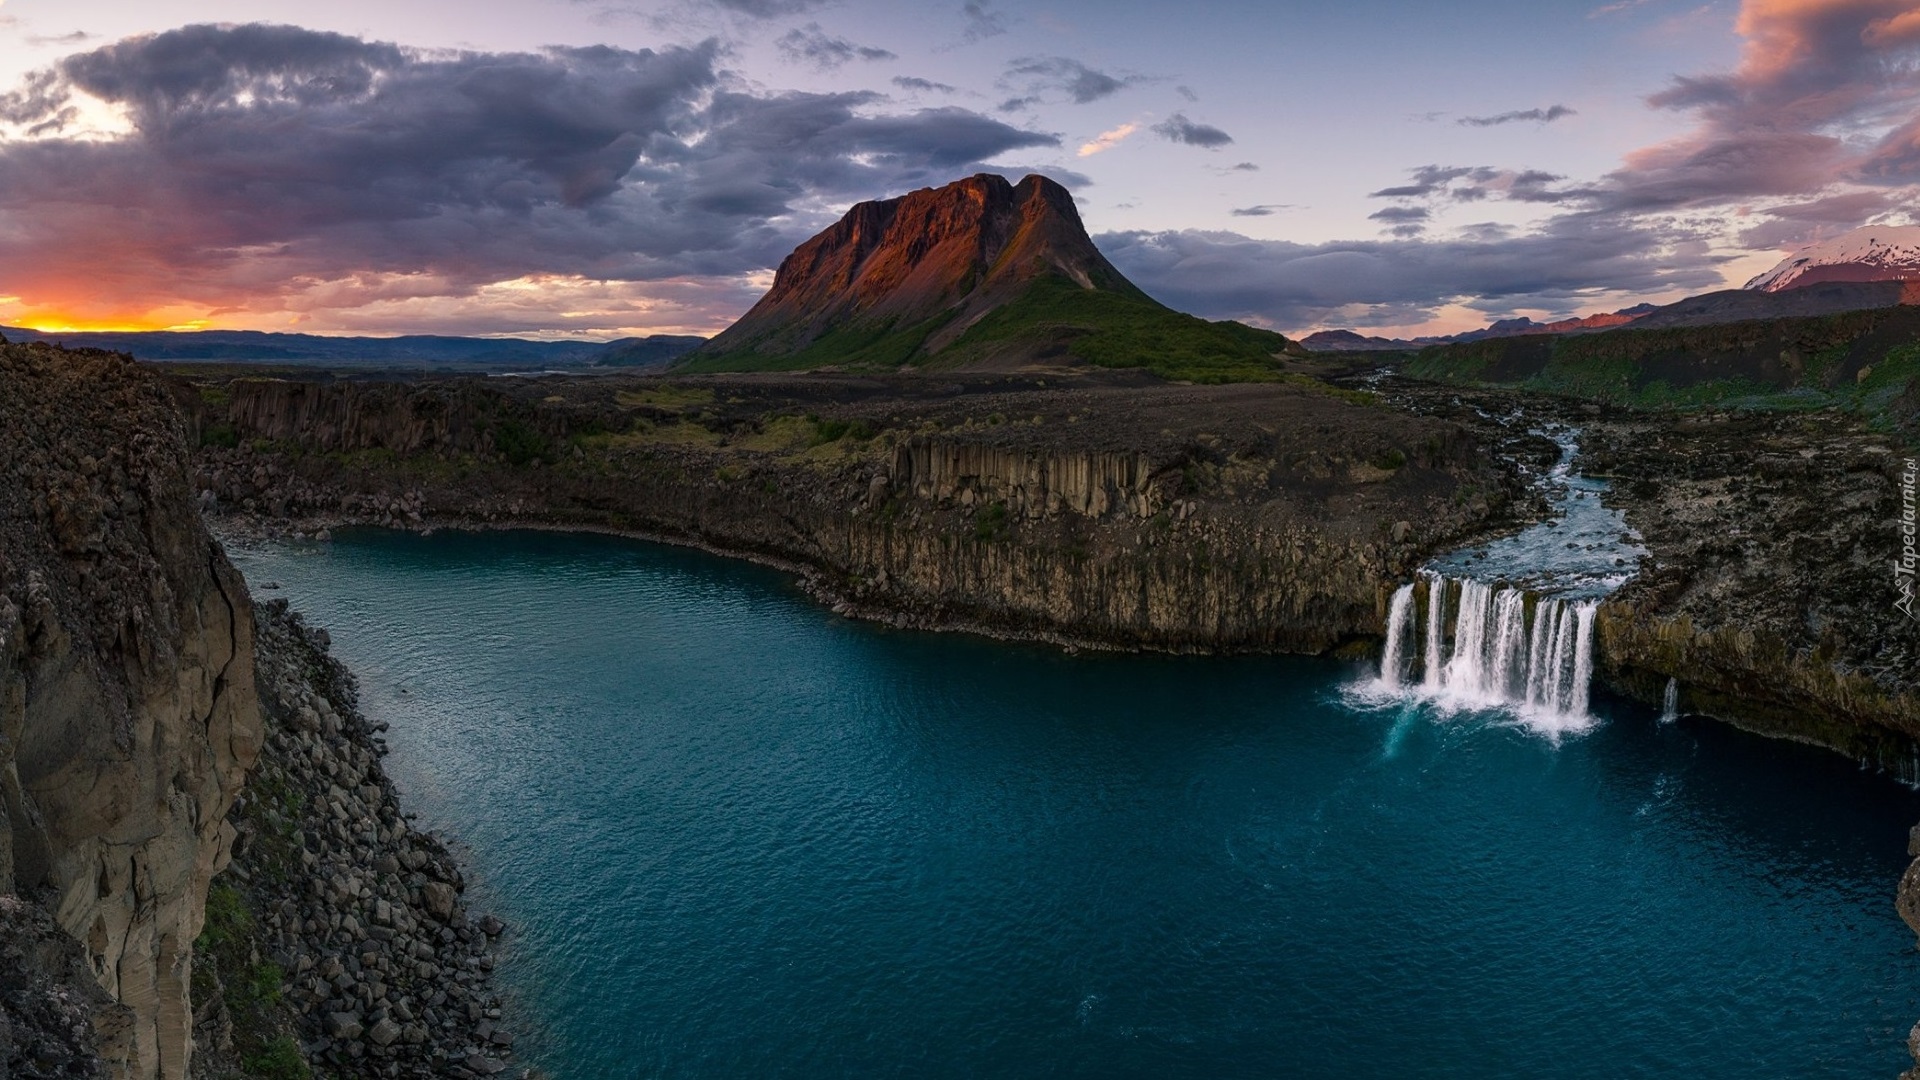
(1903, 570)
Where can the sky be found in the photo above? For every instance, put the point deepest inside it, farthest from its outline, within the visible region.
(602, 168)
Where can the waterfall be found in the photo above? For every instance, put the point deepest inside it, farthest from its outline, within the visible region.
(1436, 624)
(1486, 645)
(1393, 658)
(1670, 703)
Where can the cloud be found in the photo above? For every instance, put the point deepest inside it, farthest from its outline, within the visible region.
(768, 9)
(1177, 128)
(1263, 210)
(1817, 84)
(809, 44)
(1403, 221)
(264, 164)
(1797, 224)
(1429, 179)
(1107, 140)
(915, 83)
(1893, 31)
(982, 21)
(1615, 8)
(77, 37)
(1245, 166)
(1540, 116)
(1187, 93)
(1400, 215)
(1081, 84)
(1482, 182)
(1401, 282)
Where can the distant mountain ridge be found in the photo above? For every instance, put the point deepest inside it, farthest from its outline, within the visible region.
(980, 273)
(1349, 341)
(244, 346)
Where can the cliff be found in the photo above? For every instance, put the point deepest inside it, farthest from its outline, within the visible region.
(1771, 595)
(1233, 517)
(128, 717)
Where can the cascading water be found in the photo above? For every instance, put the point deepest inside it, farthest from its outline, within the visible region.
(1509, 625)
(1670, 703)
(1503, 647)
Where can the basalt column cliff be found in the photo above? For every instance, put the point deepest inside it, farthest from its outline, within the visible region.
(127, 711)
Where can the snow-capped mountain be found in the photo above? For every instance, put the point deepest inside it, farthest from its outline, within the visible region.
(1869, 253)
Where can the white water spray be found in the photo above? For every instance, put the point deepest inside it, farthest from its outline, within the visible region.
(1670, 704)
(1502, 647)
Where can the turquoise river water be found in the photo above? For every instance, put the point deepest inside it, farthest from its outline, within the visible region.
(738, 836)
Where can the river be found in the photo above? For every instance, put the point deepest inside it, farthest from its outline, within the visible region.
(736, 835)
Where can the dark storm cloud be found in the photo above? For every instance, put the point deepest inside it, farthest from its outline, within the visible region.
(1177, 128)
(264, 157)
(811, 45)
(1387, 282)
(915, 83)
(1538, 116)
(1041, 75)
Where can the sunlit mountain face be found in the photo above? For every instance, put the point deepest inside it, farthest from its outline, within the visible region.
(590, 169)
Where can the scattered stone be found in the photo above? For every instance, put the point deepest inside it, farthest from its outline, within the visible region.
(388, 978)
(343, 1025)
(438, 898)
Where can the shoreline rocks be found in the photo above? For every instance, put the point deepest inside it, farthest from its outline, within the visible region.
(355, 918)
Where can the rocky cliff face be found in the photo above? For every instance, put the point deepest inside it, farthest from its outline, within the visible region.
(127, 709)
(954, 252)
(1771, 594)
(1236, 517)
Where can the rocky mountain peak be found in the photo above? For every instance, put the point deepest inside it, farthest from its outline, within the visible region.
(953, 253)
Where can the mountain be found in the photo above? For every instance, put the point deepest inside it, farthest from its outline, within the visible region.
(1348, 341)
(245, 346)
(1869, 253)
(980, 273)
(1803, 301)
(654, 350)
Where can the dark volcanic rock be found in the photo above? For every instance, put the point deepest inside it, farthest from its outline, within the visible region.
(1771, 593)
(352, 916)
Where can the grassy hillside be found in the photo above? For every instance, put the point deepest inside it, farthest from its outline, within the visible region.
(1865, 361)
(1053, 321)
